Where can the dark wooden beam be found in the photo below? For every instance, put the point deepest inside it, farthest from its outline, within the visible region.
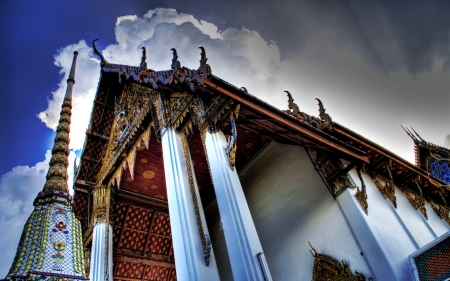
(89, 133)
(102, 104)
(84, 184)
(378, 162)
(87, 158)
(123, 258)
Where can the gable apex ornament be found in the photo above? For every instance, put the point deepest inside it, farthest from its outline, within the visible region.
(103, 61)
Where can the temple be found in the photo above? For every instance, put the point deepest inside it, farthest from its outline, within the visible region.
(184, 176)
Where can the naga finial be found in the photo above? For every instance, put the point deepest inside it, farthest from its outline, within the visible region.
(203, 57)
(103, 60)
(175, 55)
(324, 117)
(294, 110)
(143, 64)
(176, 65)
(204, 68)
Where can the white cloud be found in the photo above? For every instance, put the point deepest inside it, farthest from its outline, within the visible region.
(18, 188)
(447, 141)
(86, 77)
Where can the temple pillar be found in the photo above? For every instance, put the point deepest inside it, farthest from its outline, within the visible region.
(244, 248)
(194, 257)
(102, 247)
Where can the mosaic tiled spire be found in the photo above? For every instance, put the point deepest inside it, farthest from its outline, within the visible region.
(51, 246)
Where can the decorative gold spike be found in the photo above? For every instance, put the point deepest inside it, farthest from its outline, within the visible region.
(361, 195)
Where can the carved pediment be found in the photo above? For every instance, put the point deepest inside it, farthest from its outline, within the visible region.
(328, 269)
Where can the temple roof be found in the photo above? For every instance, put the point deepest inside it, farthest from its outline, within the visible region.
(264, 121)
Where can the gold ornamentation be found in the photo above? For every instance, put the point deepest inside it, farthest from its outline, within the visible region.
(159, 196)
(131, 109)
(143, 160)
(131, 158)
(101, 206)
(417, 201)
(148, 174)
(207, 118)
(153, 186)
(361, 195)
(203, 237)
(327, 167)
(443, 211)
(328, 269)
(230, 150)
(387, 190)
(248, 145)
(172, 110)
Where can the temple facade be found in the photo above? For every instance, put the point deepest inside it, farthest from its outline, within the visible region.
(184, 176)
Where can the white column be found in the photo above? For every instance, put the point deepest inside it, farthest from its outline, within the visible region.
(101, 253)
(373, 253)
(240, 233)
(187, 243)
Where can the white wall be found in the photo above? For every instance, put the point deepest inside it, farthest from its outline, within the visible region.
(290, 206)
(399, 232)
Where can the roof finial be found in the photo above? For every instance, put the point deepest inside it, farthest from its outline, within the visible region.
(324, 117)
(204, 68)
(143, 65)
(292, 106)
(103, 61)
(176, 65)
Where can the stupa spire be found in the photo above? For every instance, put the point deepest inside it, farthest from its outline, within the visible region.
(57, 173)
(51, 246)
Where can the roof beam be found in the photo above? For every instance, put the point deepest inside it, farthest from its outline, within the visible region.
(123, 258)
(284, 121)
(89, 133)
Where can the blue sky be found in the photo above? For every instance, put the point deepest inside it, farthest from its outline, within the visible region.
(374, 65)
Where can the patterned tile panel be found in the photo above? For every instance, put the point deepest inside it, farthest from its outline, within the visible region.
(120, 213)
(161, 224)
(434, 263)
(50, 242)
(132, 239)
(138, 218)
(159, 245)
(129, 270)
(154, 273)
